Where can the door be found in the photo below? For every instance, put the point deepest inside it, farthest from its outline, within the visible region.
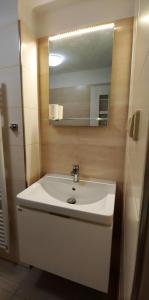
(136, 150)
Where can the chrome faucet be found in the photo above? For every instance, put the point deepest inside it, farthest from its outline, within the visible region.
(75, 173)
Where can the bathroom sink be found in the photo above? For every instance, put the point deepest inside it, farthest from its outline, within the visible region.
(88, 200)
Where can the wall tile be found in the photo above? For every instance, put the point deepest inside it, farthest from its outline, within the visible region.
(14, 161)
(9, 37)
(32, 163)
(28, 49)
(30, 93)
(11, 106)
(8, 12)
(13, 188)
(56, 159)
(95, 161)
(31, 126)
(13, 137)
(10, 77)
(105, 137)
(44, 90)
(30, 103)
(60, 136)
(43, 56)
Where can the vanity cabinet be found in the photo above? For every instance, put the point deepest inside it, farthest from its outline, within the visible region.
(73, 249)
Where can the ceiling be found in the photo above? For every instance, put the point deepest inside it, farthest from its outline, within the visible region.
(85, 52)
(36, 3)
(42, 4)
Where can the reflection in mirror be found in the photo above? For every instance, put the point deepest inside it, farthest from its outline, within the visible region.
(80, 76)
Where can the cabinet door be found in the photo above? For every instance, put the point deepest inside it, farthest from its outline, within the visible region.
(73, 249)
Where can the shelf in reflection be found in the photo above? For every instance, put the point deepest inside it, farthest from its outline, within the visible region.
(76, 119)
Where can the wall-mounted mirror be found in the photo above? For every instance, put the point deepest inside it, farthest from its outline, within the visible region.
(80, 76)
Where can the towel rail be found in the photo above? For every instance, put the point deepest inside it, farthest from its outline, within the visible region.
(4, 222)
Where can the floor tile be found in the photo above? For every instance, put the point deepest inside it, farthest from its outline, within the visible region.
(5, 295)
(16, 298)
(21, 283)
(11, 275)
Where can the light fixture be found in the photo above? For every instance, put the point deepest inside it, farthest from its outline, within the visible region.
(55, 59)
(145, 19)
(81, 31)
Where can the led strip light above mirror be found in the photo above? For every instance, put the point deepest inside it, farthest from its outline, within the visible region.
(81, 31)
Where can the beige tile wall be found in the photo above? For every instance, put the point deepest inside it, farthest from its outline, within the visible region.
(30, 103)
(99, 151)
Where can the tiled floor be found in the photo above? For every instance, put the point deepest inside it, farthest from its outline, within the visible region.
(20, 283)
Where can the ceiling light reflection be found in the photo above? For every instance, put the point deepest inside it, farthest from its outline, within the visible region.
(55, 60)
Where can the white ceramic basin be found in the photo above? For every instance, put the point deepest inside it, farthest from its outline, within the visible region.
(95, 199)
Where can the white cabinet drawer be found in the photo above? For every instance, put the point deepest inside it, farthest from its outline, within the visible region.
(73, 249)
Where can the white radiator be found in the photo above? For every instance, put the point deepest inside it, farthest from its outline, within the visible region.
(4, 223)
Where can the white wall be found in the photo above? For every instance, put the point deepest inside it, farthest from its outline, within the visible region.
(8, 11)
(97, 76)
(10, 76)
(81, 14)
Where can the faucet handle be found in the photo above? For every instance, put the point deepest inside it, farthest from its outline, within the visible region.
(75, 167)
(75, 173)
